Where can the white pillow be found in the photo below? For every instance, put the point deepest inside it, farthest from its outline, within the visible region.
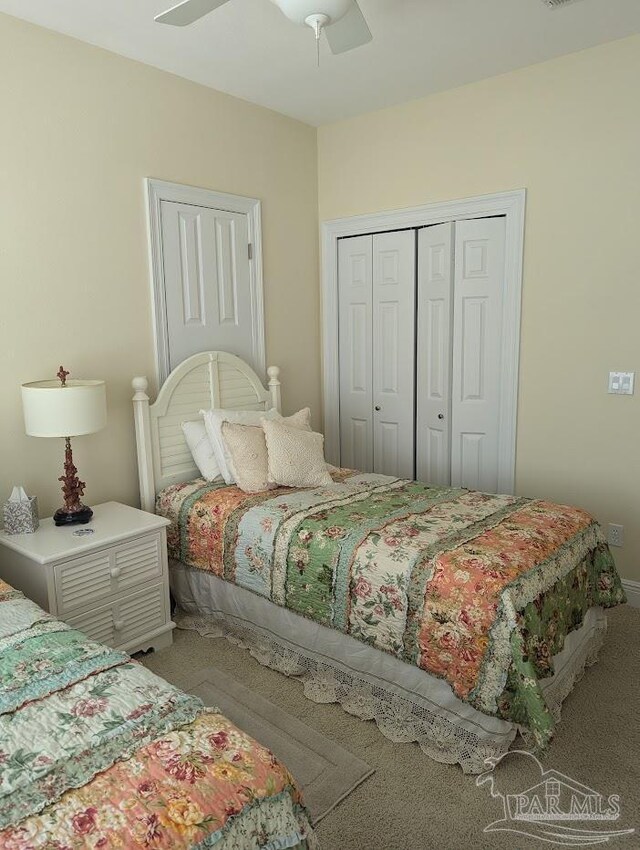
(213, 420)
(295, 457)
(201, 449)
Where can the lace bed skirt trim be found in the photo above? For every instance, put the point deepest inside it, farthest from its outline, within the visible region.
(399, 720)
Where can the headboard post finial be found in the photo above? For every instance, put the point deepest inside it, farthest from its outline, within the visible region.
(144, 444)
(274, 387)
(140, 385)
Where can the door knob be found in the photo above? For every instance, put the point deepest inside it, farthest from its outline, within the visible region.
(441, 416)
(377, 407)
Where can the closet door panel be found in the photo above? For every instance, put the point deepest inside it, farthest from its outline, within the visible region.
(207, 284)
(393, 352)
(434, 353)
(477, 328)
(355, 283)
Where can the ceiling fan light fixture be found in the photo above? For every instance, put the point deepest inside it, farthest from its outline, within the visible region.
(299, 10)
(316, 22)
(342, 21)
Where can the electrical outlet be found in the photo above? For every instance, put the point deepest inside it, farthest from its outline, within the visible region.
(616, 535)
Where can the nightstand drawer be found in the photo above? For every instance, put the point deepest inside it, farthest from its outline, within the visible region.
(119, 623)
(106, 572)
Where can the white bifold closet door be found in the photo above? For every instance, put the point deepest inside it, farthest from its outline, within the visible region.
(355, 334)
(435, 352)
(376, 277)
(460, 304)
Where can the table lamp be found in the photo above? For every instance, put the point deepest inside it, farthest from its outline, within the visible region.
(66, 409)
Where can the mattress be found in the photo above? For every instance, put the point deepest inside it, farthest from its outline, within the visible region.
(478, 590)
(97, 751)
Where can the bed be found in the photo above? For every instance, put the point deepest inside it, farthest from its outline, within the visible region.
(96, 751)
(451, 618)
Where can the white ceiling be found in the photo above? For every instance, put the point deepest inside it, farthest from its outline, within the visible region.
(249, 49)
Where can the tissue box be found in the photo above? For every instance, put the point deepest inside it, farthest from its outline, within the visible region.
(21, 517)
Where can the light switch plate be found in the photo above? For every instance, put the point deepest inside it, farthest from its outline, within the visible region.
(621, 383)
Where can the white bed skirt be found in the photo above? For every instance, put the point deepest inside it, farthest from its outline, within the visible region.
(407, 704)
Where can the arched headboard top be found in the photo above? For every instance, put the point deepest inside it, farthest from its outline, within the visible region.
(207, 380)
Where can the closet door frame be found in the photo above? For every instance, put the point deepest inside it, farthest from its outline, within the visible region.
(509, 204)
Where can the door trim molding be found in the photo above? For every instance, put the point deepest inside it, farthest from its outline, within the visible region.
(510, 204)
(157, 191)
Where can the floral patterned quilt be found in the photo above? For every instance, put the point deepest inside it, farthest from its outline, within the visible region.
(480, 590)
(98, 752)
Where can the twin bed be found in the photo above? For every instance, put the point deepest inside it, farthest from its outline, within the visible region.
(97, 751)
(452, 618)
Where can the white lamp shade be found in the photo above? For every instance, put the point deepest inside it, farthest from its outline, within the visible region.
(51, 410)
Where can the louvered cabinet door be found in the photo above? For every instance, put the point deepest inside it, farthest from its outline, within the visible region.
(122, 622)
(108, 572)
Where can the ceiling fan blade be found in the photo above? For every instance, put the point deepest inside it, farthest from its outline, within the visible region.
(188, 11)
(349, 32)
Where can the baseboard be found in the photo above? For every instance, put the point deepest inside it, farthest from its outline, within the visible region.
(632, 589)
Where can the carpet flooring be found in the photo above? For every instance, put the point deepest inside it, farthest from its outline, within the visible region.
(413, 803)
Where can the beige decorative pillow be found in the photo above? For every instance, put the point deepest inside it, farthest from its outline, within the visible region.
(295, 457)
(248, 454)
(300, 420)
(213, 420)
(246, 451)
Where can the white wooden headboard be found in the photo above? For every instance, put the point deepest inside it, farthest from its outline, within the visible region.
(206, 380)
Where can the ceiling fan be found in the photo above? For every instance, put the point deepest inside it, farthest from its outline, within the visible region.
(341, 20)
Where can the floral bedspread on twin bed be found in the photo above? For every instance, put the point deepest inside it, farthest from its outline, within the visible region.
(98, 752)
(480, 590)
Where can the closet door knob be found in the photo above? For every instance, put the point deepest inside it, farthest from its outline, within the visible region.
(377, 407)
(441, 416)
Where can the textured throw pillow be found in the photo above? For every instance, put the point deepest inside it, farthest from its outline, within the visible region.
(295, 457)
(248, 452)
(201, 449)
(213, 420)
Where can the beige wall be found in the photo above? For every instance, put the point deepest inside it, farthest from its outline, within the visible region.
(568, 131)
(81, 128)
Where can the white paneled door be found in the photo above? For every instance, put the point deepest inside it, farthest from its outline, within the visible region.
(355, 263)
(394, 272)
(460, 305)
(420, 352)
(206, 281)
(434, 353)
(478, 295)
(376, 303)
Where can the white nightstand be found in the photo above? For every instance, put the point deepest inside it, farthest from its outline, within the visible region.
(112, 584)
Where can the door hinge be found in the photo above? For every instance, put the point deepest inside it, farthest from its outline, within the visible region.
(250, 251)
